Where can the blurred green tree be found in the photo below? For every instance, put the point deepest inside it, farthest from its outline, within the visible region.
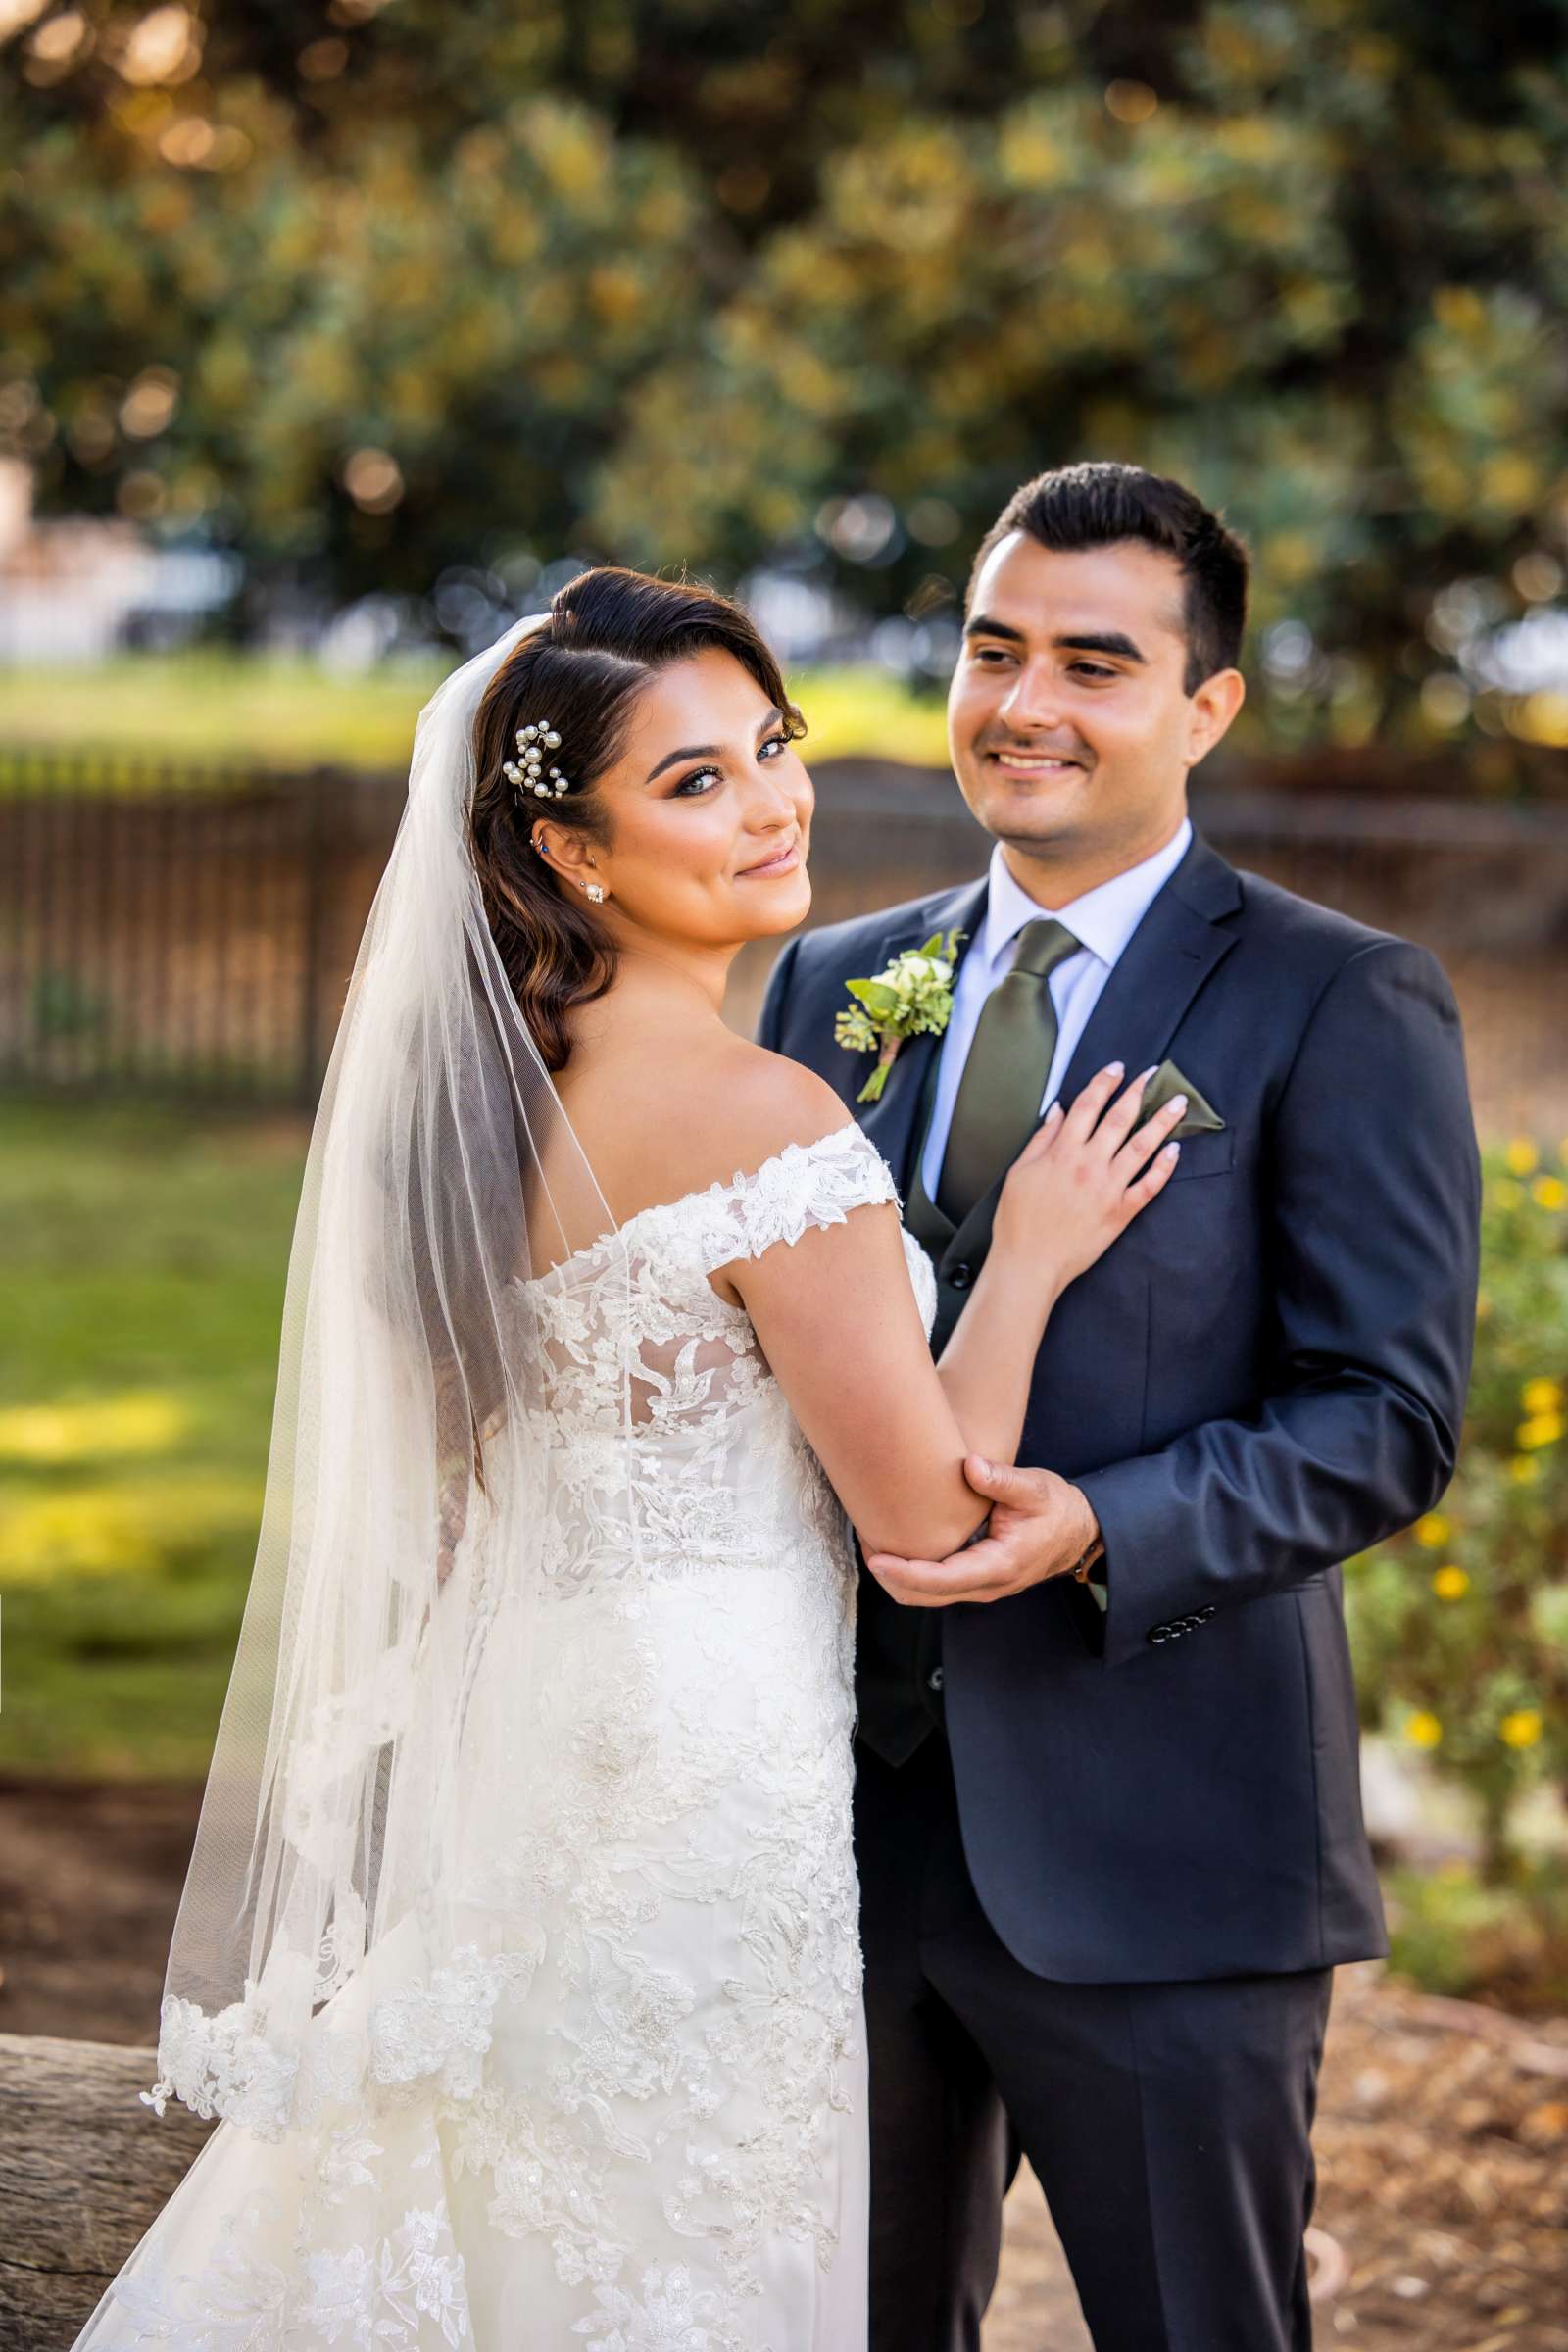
(376, 289)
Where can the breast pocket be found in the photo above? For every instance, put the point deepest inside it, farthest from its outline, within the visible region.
(1183, 1236)
(1210, 1154)
(1200, 1247)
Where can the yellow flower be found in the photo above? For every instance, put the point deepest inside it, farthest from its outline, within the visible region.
(1524, 1469)
(135, 1421)
(1433, 1530)
(125, 1527)
(1450, 1584)
(1550, 1192)
(1541, 1429)
(1540, 1395)
(1423, 1730)
(1520, 1157)
(1522, 1728)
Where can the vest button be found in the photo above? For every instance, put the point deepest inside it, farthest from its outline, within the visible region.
(961, 1276)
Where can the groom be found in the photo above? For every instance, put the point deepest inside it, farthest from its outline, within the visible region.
(1109, 1832)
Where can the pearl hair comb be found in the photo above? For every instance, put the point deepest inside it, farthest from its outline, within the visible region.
(532, 743)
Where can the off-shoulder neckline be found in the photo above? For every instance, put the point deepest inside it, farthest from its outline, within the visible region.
(719, 1190)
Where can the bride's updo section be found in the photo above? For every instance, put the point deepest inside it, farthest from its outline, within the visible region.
(579, 675)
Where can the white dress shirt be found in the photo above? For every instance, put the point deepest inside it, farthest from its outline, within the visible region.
(1104, 918)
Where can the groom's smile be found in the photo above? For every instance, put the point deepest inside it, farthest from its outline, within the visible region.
(1037, 764)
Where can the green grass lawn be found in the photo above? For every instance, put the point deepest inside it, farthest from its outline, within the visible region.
(289, 714)
(143, 1254)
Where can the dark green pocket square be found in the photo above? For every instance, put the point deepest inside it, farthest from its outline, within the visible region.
(1199, 1118)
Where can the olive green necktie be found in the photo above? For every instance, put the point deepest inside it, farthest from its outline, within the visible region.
(1004, 1082)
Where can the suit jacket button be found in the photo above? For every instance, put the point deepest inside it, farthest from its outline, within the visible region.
(935, 1678)
(961, 1276)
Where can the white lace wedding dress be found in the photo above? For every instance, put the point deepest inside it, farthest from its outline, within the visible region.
(649, 2132)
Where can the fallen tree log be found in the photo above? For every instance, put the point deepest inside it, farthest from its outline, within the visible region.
(84, 2168)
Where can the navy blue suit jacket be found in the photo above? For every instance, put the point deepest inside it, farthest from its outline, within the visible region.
(1264, 1375)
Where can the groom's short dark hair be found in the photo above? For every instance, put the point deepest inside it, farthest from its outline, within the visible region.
(1099, 504)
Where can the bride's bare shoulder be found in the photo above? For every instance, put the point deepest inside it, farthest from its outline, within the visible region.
(739, 1103)
(708, 1112)
(760, 1100)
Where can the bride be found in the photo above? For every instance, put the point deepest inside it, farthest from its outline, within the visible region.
(519, 1949)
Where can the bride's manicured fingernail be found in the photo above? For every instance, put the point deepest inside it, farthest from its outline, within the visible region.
(1114, 1069)
(1143, 1076)
(1177, 1103)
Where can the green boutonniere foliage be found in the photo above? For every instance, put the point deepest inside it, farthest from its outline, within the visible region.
(912, 998)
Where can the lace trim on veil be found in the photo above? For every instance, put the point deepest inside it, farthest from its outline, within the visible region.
(431, 2029)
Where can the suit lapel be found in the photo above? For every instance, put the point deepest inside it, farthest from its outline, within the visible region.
(1141, 1006)
(892, 1123)
(1160, 971)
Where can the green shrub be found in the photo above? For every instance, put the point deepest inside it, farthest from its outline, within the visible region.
(1460, 1625)
(1453, 1934)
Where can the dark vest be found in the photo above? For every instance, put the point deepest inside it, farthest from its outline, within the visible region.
(898, 1670)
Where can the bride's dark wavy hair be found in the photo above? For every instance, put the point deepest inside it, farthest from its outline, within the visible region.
(608, 634)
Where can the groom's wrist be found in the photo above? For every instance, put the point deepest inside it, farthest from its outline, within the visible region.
(1090, 1561)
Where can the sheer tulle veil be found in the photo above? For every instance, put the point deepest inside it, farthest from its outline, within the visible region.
(370, 1762)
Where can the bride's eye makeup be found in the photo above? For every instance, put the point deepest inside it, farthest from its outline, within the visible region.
(697, 774)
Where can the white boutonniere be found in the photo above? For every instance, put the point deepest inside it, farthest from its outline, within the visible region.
(912, 998)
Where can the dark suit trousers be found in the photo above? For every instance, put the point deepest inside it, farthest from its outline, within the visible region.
(1168, 2124)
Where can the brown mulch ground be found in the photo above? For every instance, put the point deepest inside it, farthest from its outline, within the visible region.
(1442, 2132)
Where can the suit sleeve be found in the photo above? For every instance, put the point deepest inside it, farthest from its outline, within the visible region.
(770, 1022)
(1374, 1216)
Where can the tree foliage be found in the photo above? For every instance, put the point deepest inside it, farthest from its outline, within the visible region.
(371, 290)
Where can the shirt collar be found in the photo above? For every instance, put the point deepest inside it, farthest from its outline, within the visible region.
(1104, 918)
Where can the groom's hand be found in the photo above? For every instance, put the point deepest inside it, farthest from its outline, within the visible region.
(1040, 1527)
